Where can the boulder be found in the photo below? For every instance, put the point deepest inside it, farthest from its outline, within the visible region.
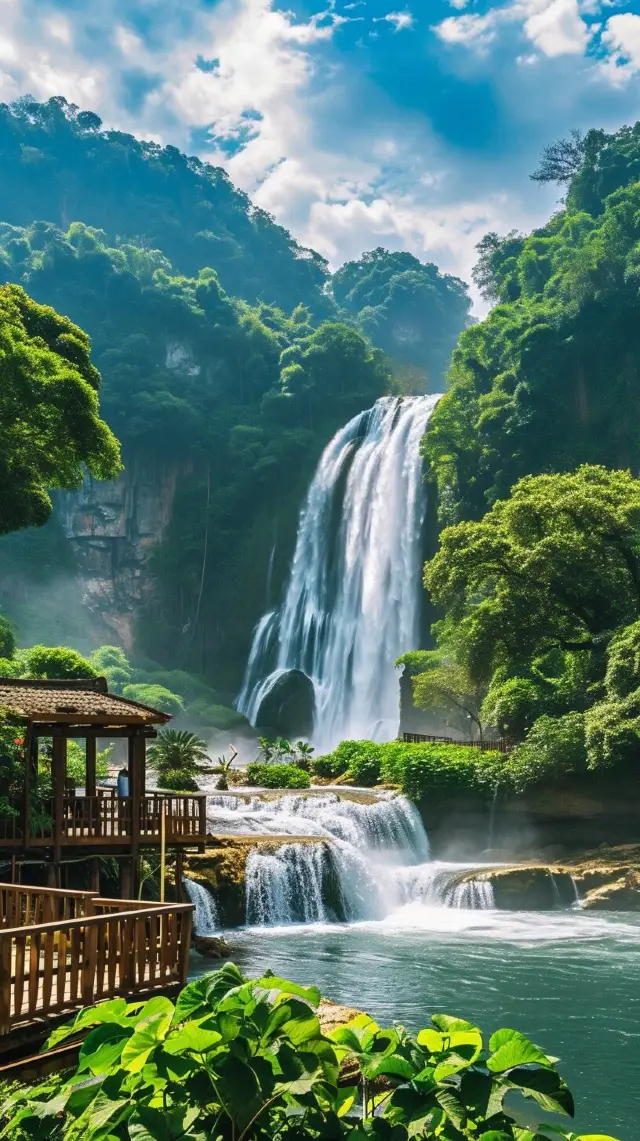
(621, 895)
(288, 708)
(211, 946)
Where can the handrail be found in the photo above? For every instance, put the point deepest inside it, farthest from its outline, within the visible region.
(94, 920)
(59, 892)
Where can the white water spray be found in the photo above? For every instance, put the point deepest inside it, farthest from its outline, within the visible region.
(353, 599)
(346, 861)
(206, 914)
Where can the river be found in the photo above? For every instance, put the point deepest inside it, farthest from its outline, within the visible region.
(416, 943)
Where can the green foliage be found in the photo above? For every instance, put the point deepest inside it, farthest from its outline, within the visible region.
(419, 769)
(155, 696)
(446, 686)
(513, 704)
(554, 748)
(407, 308)
(246, 1060)
(50, 430)
(544, 383)
(554, 566)
(76, 763)
(112, 662)
(330, 765)
(7, 639)
(274, 775)
(216, 716)
(56, 662)
(60, 164)
(178, 758)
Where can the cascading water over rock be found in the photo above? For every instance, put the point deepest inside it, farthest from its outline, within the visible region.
(348, 859)
(353, 599)
(206, 917)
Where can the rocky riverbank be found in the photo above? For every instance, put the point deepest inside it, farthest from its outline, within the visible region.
(607, 879)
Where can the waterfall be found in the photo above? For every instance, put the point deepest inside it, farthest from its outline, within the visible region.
(353, 600)
(348, 860)
(206, 916)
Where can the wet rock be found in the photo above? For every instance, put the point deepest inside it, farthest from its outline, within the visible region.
(621, 895)
(288, 709)
(532, 888)
(211, 946)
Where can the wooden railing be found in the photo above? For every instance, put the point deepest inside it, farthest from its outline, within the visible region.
(500, 745)
(53, 967)
(108, 820)
(22, 906)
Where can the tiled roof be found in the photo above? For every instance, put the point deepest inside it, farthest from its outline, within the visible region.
(82, 701)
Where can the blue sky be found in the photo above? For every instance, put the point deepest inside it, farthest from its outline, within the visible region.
(354, 124)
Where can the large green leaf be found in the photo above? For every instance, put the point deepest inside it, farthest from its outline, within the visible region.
(310, 994)
(147, 1036)
(102, 1047)
(192, 1036)
(510, 1048)
(546, 1087)
(192, 999)
(240, 1091)
(159, 1125)
(393, 1066)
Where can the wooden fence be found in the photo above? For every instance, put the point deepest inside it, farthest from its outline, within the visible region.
(107, 821)
(500, 745)
(113, 947)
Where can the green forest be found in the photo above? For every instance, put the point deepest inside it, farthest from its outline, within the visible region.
(229, 356)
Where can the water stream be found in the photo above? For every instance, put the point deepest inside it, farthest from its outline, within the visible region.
(353, 599)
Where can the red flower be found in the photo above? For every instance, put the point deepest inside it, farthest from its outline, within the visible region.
(19, 741)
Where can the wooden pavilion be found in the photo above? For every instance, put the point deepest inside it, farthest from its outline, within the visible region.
(98, 822)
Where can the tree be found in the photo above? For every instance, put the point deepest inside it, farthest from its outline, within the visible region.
(50, 430)
(555, 566)
(178, 759)
(561, 160)
(112, 662)
(56, 662)
(447, 686)
(407, 307)
(156, 696)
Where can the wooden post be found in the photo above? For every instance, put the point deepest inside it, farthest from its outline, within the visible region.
(59, 774)
(90, 766)
(94, 875)
(163, 836)
(179, 874)
(126, 878)
(30, 747)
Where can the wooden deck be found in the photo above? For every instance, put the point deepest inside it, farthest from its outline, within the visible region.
(108, 821)
(62, 950)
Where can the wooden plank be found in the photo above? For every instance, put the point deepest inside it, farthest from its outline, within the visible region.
(75, 964)
(61, 971)
(18, 986)
(113, 957)
(153, 946)
(90, 765)
(47, 970)
(89, 963)
(34, 970)
(6, 942)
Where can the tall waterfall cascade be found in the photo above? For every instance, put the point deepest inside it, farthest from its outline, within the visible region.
(347, 861)
(352, 604)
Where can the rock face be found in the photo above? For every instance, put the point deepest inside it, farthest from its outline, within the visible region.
(288, 709)
(211, 946)
(605, 880)
(112, 528)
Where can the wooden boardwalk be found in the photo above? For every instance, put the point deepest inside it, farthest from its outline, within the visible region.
(62, 950)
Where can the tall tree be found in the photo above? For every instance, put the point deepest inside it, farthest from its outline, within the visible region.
(50, 429)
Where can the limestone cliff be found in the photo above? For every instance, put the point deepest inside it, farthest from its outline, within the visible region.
(112, 528)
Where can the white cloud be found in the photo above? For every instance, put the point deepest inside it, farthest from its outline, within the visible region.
(621, 36)
(558, 29)
(399, 20)
(469, 30)
(555, 27)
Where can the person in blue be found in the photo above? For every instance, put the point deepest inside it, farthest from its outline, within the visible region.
(123, 782)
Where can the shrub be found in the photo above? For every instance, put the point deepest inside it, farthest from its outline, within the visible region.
(206, 712)
(156, 696)
(360, 758)
(179, 758)
(277, 776)
(331, 765)
(57, 662)
(554, 747)
(247, 1059)
(416, 768)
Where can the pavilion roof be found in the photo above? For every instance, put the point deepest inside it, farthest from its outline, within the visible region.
(84, 701)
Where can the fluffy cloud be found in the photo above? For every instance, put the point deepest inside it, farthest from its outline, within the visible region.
(621, 36)
(315, 115)
(556, 27)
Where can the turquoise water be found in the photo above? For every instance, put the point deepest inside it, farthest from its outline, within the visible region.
(570, 980)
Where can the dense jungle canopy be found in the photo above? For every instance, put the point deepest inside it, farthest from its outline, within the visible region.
(550, 379)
